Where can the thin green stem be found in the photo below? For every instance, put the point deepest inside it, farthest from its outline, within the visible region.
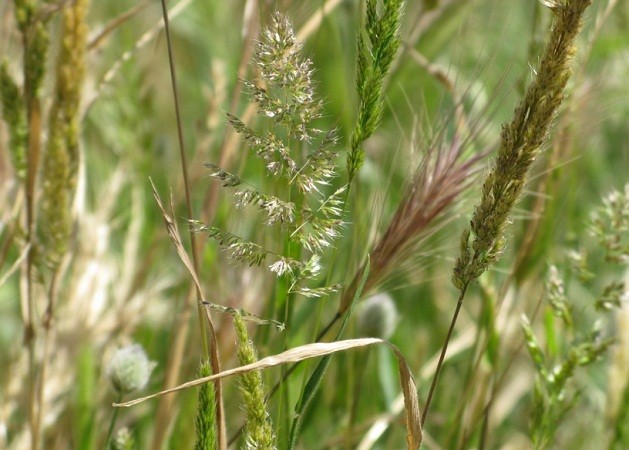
(112, 424)
(444, 349)
(184, 170)
(47, 328)
(316, 335)
(321, 304)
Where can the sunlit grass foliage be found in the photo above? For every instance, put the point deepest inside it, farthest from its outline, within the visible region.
(372, 224)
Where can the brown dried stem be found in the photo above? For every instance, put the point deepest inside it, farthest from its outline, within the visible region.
(213, 351)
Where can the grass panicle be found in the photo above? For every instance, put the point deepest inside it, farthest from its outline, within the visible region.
(259, 432)
(205, 421)
(14, 114)
(520, 143)
(443, 174)
(556, 392)
(610, 224)
(278, 57)
(61, 158)
(373, 64)
(304, 210)
(553, 393)
(49, 197)
(60, 165)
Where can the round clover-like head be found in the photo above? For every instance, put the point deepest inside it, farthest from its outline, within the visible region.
(377, 316)
(129, 369)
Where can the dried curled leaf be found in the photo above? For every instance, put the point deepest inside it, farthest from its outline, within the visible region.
(293, 355)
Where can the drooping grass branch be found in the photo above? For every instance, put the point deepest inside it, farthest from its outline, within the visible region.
(414, 433)
(520, 143)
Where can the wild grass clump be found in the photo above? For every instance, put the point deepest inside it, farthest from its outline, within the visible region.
(325, 197)
(571, 342)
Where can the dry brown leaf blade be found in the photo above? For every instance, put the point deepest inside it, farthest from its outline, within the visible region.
(173, 233)
(293, 355)
(414, 433)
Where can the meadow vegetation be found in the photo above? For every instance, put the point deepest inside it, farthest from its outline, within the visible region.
(333, 224)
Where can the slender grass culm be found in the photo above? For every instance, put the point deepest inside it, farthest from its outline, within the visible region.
(23, 107)
(206, 326)
(520, 143)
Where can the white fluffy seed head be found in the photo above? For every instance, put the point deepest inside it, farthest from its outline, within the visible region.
(129, 369)
(377, 316)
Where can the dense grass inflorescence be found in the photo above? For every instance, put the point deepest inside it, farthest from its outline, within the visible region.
(406, 224)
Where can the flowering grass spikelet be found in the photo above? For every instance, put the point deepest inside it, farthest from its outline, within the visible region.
(258, 427)
(520, 143)
(61, 159)
(373, 65)
(556, 390)
(14, 114)
(610, 225)
(308, 216)
(205, 421)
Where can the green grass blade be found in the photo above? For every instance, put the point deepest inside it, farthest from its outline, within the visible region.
(314, 381)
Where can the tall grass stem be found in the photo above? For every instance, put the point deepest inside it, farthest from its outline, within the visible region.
(212, 353)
